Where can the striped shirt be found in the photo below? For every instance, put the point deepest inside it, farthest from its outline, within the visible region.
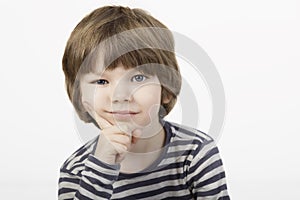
(189, 167)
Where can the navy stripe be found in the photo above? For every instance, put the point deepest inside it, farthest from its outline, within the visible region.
(98, 182)
(213, 179)
(209, 168)
(70, 173)
(70, 180)
(82, 197)
(103, 175)
(95, 142)
(178, 176)
(184, 197)
(94, 191)
(193, 134)
(208, 155)
(168, 166)
(187, 132)
(224, 198)
(76, 166)
(103, 165)
(66, 190)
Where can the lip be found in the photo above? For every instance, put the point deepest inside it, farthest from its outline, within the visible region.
(123, 112)
(123, 115)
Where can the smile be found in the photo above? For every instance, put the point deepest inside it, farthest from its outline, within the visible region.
(124, 112)
(123, 115)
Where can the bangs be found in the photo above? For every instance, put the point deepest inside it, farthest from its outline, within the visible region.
(114, 35)
(131, 48)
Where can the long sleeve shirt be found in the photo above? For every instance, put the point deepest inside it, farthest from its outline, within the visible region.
(190, 167)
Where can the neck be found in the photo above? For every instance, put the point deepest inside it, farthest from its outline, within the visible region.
(152, 139)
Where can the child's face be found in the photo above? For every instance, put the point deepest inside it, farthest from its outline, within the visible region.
(123, 95)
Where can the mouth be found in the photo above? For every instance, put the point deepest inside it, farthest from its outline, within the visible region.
(123, 114)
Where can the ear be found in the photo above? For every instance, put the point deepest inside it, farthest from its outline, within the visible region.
(166, 98)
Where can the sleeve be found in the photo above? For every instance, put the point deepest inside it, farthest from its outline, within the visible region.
(94, 182)
(206, 176)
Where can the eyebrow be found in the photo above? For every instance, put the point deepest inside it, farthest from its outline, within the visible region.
(98, 74)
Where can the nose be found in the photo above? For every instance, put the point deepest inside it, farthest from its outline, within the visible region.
(121, 93)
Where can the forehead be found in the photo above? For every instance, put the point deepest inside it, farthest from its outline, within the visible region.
(118, 70)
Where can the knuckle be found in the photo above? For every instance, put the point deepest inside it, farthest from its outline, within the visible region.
(127, 140)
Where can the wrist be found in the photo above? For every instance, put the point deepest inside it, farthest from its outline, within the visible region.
(105, 158)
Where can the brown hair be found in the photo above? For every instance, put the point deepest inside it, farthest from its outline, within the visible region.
(147, 41)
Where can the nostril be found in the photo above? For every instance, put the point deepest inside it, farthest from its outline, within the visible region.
(121, 98)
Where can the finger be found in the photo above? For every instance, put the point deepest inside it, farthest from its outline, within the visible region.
(122, 140)
(124, 128)
(120, 148)
(114, 133)
(100, 120)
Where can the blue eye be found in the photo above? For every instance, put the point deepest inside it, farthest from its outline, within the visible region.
(138, 78)
(101, 82)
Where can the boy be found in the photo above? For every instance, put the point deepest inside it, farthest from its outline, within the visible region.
(122, 75)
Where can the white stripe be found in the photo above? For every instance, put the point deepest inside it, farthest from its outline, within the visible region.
(169, 194)
(182, 147)
(66, 195)
(66, 184)
(92, 175)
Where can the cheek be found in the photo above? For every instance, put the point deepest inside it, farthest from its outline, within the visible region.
(87, 94)
(93, 97)
(99, 100)
(149, 97)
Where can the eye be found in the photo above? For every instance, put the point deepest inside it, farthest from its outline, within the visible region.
(138, 78)
(101, 82)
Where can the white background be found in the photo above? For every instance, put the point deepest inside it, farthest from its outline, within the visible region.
(254, 44)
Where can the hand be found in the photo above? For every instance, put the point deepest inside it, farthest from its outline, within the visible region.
(114, 141)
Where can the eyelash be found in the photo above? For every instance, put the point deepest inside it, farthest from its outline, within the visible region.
(101, 80)
(145, 77)
(132, 79)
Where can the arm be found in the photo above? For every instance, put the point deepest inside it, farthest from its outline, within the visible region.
(206, 176)
(93, 182)
(90, 176)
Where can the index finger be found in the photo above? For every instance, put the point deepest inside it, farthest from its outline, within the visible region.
(103, 123)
